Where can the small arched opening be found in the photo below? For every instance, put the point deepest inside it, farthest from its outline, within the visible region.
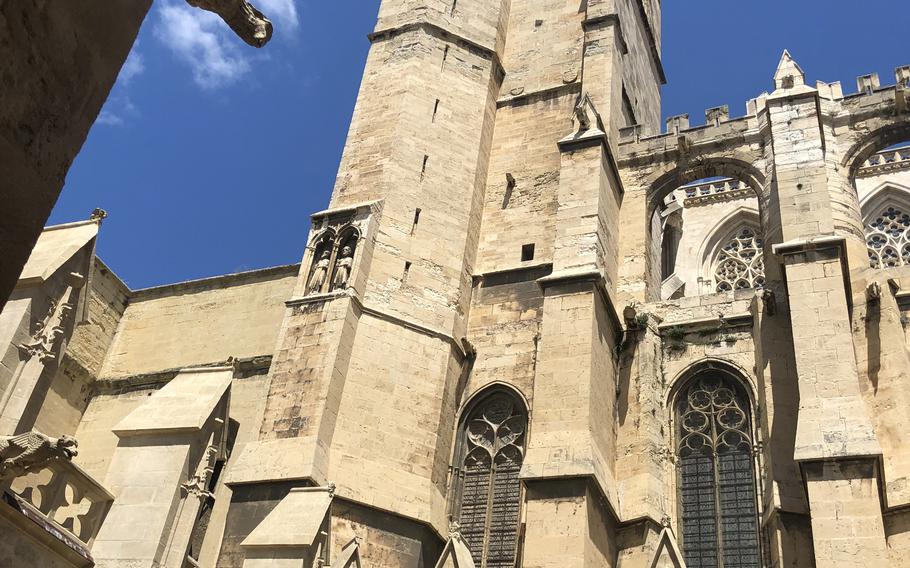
(684, 208)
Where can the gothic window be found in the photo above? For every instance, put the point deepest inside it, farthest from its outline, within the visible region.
(888, 237)
(740, 263)
(716, 475)
(492, 439)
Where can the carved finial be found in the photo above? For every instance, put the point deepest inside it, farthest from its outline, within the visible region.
(331, 488)
(629, 313)
(714, 116)
(247, 22)
(454, 529)
(586, 116)
(902, 76)
(769, 300)
(43, 344)
(789, 74)
(873, 292)
(666, 522)
(867, 84)
(32, 451)
(98, 214)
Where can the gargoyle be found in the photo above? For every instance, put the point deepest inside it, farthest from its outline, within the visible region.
(32, 451)
(246, 21)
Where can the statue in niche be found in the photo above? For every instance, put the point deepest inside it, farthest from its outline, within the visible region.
(343, 268)
(32, 451)
(320, 273)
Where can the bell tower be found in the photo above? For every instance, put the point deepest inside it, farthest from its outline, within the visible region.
(463, 169)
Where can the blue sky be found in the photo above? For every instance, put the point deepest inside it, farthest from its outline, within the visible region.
(210, 156)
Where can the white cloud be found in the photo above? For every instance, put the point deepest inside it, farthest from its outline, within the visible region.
(283, 13)
(118, 109)
(109, 118)
(203, 42)
(132, 67)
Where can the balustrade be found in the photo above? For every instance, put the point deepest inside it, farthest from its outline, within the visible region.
(716, 190)
(67, 495)
(886, 160)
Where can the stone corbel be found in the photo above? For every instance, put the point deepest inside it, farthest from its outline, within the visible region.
(248, 23)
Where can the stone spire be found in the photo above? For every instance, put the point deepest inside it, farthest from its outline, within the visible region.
(789, 77)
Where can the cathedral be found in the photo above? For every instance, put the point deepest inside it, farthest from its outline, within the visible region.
(535, 327)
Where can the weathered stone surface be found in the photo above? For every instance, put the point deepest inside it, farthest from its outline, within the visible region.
(507, 220)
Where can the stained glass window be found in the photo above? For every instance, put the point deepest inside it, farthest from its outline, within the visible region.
(493, 438)
(740, 264)
(717, 497)
(888, 238)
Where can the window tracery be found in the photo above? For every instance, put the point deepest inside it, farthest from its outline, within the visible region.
(888, 237)
(740, 264)
(717, 495)
(492, 449)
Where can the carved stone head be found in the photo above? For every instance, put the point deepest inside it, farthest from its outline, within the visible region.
(67, 446)
(347, 251)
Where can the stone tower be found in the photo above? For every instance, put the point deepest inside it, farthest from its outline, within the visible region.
(481, 153)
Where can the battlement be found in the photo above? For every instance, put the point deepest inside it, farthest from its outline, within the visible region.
(866, 86)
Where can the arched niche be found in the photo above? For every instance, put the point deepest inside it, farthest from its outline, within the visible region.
(346, 245)
(323, 248)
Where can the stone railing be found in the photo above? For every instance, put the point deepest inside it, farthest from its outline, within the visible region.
(885, 161)
(68, 496)
(714, 191)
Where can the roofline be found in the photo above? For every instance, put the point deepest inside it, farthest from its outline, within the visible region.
(186, 285)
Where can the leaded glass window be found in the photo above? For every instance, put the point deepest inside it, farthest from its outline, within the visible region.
(492, 450)
(740, 264)
(717, 496)
(888, 238)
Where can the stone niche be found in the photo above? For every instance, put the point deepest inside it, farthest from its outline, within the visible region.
(338, 252)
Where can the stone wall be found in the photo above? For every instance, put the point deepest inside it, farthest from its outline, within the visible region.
(62, 59)
(200, 322)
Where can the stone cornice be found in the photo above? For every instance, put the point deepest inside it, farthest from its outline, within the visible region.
(433, 28)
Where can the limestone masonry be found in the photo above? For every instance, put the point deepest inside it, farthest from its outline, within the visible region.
(534, 328)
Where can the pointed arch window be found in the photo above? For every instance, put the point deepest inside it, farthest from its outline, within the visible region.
(487, 491)
(888, 236)
(740, 263)
(716, 474)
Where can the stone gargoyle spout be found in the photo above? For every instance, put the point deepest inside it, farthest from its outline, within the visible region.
(246, 21)
(32, 451)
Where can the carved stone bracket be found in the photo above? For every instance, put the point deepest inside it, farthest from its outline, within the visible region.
(32, 451)
(247, 22)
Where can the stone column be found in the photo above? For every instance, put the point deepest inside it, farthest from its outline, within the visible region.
(834, 429)
(571, 522)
